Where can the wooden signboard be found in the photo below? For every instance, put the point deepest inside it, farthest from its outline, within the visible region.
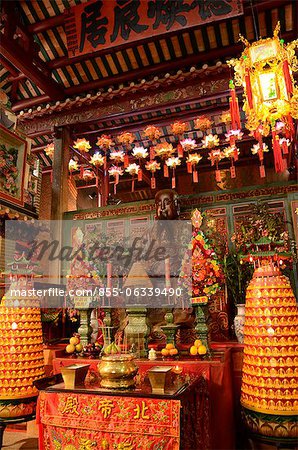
(99, 24)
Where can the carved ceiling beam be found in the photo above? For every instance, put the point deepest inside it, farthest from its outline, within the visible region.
(24, 62)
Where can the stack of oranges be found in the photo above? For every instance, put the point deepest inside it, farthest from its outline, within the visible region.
(169, 350)
(198, 348)
(74, 345)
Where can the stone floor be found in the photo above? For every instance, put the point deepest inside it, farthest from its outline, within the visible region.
(21, 440)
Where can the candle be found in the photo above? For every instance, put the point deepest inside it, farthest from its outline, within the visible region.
(177, 370)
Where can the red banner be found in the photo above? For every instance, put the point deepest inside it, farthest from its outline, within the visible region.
(99, 24)
(107, 422)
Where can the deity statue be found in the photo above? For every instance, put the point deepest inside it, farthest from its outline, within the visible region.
(167, 205)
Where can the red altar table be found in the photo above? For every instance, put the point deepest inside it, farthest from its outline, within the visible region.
(211, 405)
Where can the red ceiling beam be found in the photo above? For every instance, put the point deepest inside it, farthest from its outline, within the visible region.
(23, 62)
(47, 24)
(8, 66)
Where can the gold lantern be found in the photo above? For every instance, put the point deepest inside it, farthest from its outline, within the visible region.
(270, 93)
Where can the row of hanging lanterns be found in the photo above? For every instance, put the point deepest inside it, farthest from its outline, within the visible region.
(264, 70)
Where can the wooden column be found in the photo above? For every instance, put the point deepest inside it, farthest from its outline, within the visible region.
(60, 193)
(60, 173)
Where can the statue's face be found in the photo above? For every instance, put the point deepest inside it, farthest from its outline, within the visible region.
(166, 203)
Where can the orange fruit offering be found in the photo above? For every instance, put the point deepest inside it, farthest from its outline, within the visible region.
(193, 350)
(165, 352)
(170, 346)
(79, 347)
(173, 352)
(202, 350)
(74, 340)
(198, 342)
(70, 348)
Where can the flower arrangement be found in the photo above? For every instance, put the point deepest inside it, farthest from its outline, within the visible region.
(152, 132)
(49, 150)
(133, 169)
(188, 144)
(164, 149)
(229, 152)
(256, 149)
(178, 128)
(210, 141)
(173, 162)
(235, 135)
(117, 156)
(203, 123)
(126, 138)
(207, 275)
(97, 159)
(215, 156)
(82, 145)
(115, 171)
(152, 166)
(105, 142)
(194, 158)
(140, 152)
(73, 165)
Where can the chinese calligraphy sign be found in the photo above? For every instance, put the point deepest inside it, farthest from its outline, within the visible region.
(100, 24)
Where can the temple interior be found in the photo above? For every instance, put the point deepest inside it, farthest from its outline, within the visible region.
(148, 225)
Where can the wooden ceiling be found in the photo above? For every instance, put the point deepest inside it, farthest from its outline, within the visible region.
(45, 73)
(40, 74)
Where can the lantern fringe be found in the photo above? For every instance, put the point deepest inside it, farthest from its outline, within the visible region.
(217, 175)
(126, 161)
(278, 160)
(165, 171)
(189, 167)
(233, 171)
(262, 171)
(140, 175)
(195, 176)
(234, 108)
(287, 77)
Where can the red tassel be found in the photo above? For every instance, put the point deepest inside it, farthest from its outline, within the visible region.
(217, 175)
(117, 178)
(287, 77)
(105, 163)
(284, 147)
(115, 188)
(189, 167)
(180, 150)
(278, 161)
(140, 175)
(133, 185)
(235, 155)
(234, 109)
(291, 132)
(262, 171)
(81, 171)
(233, 172)
(165, 171)
(248, 90)
(195, 176)
(153, 182)
(126, 161)
(173, 182)
(152, 153)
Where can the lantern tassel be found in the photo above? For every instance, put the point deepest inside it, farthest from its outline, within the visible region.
(234, 108)
(217, 174)
(126, 161)
(153, 182)
(140, 175)
(180, 150)
(278, 161)
(152, 153)
(248, 90)
(262, 171)
(165, 171)
(189, 167)
(287, 78)
(133, 184)
(232, 170)
(173, 180)
(195, 176)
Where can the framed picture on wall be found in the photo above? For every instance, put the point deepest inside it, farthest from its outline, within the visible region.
(13, 154)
